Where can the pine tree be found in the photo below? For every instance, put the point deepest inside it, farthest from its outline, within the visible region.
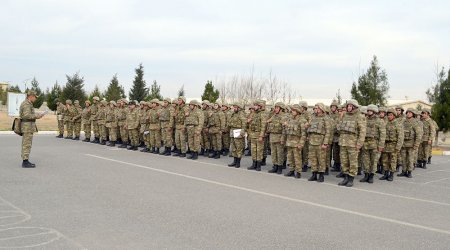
(139, 91)
(14, 89)
(441, 108)
(56, 92)
(372, 87)
(433, 92)
(155, 92)
(41, 97)
(181, 91)
(73, 89)
(95, 92)
(210, 93)
(114, 91)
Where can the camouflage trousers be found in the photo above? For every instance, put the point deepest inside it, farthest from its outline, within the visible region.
(370, 159)
(349, 160)
(317, 158)
(336, 154)
(226, 140)
(237, 147)
(166, 134)
(277, 153)
(69, 128)
(61, 127)
(407, 154)
(27, 141)
(96, 129)
(103, 132)
(87, 129)
(77, 128)
(180, 140)
(305, 153)
(123, 134)
(329, 157)
(134, 136)
(294, 158)
(389, 161)
(112, 131)
(205, 143)
(257, 148)
(216, 141)
(424, 151)
(155, 138)
(193, 139)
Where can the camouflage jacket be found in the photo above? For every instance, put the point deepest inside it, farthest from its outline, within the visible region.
(412, 133)
(429, 130)
(195, 118)
(122, 116)
(394, 136)
(77, 117)
(375, 133)
(237, 120)
(179, 116)
(132, 121)
(275, 127)
(295, 131)
(352, 129)
(319, 130)
(28, 117)
(257, 124)
(153, 119)
(86, 115)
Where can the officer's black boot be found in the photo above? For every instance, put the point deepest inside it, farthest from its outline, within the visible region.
(350, 181)
(409, 174)
(97, 140)
(340, 175)
(195, 157)
(344, 181)
(238, 163)
(385, 176)
(274, 169)
(233, 163)
(183, 155)
(370, 180)
(77, 138)
(253, 166)
(258, 166)
(290, 173)
(297, 175)
(391, 176)
(174, 149)
(313, 177)
(103, 142)
(365, 179)
(378, 169)
(403, 173)
(263, 162)
(27, 164)
(321, 178)
(280, 169)
(429, 160)
(305, 168)
(134, 148)
(124, 145)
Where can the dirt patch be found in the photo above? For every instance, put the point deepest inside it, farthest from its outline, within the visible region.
(47, 123)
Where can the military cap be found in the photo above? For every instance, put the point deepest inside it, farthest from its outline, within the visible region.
(87, 101)
(31, 92)
(353, 102)
(296, 107)
(321, 106)
(96, 98)
(334, 103)
(372, 108)
(76, 102)
(303, 104)
(194, 102)
(280, 104)
(69, 102)
(392, 110)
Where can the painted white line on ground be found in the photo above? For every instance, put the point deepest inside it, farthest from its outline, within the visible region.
(443, 179)
(429, 172)
(403, 223)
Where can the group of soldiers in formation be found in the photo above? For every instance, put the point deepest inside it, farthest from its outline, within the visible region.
(358, 139)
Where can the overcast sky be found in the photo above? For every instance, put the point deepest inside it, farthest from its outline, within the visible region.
(315, 46)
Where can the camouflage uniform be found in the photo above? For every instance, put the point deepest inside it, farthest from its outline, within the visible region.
(86, 120)
(334, 115)
(112, 123)
(154, 127)
(226, 139)
(295, 132)
(205, 138)
(429, 132)
(216, 124)
(307, 116)
(144, 133)
(122, 122)
(101, 121)
(69, 113)
(257, 129)
(194, 125)
(412, 138)
(180, 127)
(237, 120)
(60, 118)
(430, 149)
(167, 123)
(77, 119)
(275, 131)
(28, 117)
(94, 119)
(394, 142)
(132, 124)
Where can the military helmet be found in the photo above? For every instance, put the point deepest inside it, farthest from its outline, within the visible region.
(334, 103)
(113, 103)
(142, 103)
(238, 104)
(96, 98)
(104, 102)
(56, 100)
(399, 107)
(259, 102)
(76, 102)
(364, 109)
(195, 102)
(154, 100)
(391, 110)
(418, 112)
(182, 98)
(296, 107)
(382, 109)
(280, 104)
(68, 101)
(321, 106)
(303, 104)
(124, 101)
(426, 110)
(372, 108)
(353, 102)
(168, 100)
(411, 110)
(31, 92)
(206, 102)
(134, 102)
(87, 101)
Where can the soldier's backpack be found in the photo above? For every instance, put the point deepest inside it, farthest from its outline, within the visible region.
(17, 126)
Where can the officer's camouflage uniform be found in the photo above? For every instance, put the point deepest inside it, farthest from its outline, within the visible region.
(28, 124)
(394, 142)
(86, 120)
(295, 132)
(60, 118)
(412, 130)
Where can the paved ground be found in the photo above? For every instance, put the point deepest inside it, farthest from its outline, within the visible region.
(83, 195)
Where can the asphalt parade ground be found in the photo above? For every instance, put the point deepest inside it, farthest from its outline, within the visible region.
(88, 196)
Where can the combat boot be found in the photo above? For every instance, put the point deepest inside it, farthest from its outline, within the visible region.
(340, 175)
(408, 174)
(176, 153)
(58, 136)
(335, 167)
(202, 152)
(284, 164)
(145, 150)
(217, 155)
(429, 160)
(385, 176)
(390, 176)
(27, 164)
(69, 138)
(97, 140)
(134, 148)
(350, 181)
(280, 169)
(365, 179)
(403, 173)
(249, 153)
(297, 175)
(258, 166)
(313, 177)
(233, 163)
(123, 145)
(253, 166)
(359, 171)
(370, 180)
(112, 144)
(238, 163)
(194, 156)
(174, 149)
(398, 168)
(87, 140)
(156, 151)
(321, 177)
(424, 164)
(168, 152)
(77, 138)
(290, 173)
(344, 181)
(182, 155)
(274, 169)
(263, 162)
(103, 142)
(379, 169)
(305, 168)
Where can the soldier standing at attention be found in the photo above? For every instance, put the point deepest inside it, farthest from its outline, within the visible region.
(295, 132)
(226, 132)
(429, 132)
(275, 131)
(419, 122)
(352, 130)
(28, 118)
(394, 142)
(205, 142)
(373, 143)
(86, 120)
(180, 127)
(167, 122)
(436, 129)
(334, 115)
(412, 131)
(69, 113)
(237, 120)
(111, 123)
(194, 125)
(101, 121)
(60, 117)
(216, 124)
(132, 125)
(257, 130)
(307, 116)
(77, 120)
(94, 119)
(154, 127)
(122, 122)
(144, 134)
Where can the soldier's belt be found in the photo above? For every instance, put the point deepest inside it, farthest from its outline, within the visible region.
(28, 120)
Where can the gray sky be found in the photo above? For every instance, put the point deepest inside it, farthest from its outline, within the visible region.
(315, 46)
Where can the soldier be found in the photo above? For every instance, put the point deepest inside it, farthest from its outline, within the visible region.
(429, 132)
(167, 123)
(122, 122)
(77, 120)
(393, 145)
(412, 131)
(28, 126)
(307, 116)
(132, 125)
(206, 140)
(69, 113)
(436, 129)
(266, 114)
(216, 124)
(226, 113)
(112, 123)
(180, 128)
(101, 121)
(250, 113)
(60, 117)
(400, 117)
(173, 108)
(419, 122)
(194, 120)
(257, 129)
(352, 129)
(154, 127)
(295, 132)
(86, 120)
(237, 122)
(373, 143)
(334, 115)
(144, 133)
(330, 143)
(383, 119)
(275, 131)
(94, 119)
(319, 137)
